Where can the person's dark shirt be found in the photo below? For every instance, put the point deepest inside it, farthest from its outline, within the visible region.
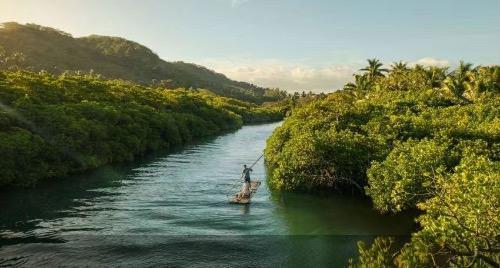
(247, 171)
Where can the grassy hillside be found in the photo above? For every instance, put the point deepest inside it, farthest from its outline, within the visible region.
(43, 48)
(51, 126)
(412, 138)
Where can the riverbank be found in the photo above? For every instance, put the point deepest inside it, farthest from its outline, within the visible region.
(52, 126)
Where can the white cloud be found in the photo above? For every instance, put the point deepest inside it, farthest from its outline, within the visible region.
(292, 76)
(428, 61)
(285, 75)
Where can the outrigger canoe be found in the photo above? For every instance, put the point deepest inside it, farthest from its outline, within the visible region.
(238, 198)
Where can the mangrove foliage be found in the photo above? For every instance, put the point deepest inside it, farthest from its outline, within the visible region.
(51, 125)
(417, 137)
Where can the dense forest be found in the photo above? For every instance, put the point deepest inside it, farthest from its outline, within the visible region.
(38, 48)
(424, 138)
(52, 125)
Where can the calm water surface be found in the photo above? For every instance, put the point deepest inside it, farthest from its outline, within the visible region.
(173, 210)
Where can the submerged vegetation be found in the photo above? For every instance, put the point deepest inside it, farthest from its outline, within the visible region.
(409, 137)
(51, 125)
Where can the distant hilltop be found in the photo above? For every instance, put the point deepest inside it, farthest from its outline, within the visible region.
(44, 48)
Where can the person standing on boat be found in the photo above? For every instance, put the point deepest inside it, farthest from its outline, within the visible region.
(246, 184)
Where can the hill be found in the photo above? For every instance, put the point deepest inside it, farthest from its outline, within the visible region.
(44, 48)
(51, 126)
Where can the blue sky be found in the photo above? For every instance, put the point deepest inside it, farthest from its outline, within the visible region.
(289, 44)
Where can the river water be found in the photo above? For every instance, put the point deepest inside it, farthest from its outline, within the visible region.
(172, 210)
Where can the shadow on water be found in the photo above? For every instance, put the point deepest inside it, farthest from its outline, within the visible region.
(339, 214)
(325, 229)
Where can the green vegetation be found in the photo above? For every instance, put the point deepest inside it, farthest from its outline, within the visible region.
(410, 138)
(51, 126)
(38, 48)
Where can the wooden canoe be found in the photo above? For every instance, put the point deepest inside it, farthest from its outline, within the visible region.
(238, 199)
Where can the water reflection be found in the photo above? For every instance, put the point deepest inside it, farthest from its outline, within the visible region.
(245, 209)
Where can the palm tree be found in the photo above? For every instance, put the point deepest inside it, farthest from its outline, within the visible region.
(459, 79)
(464, 67)
(419, 68)
(361, 83)
(399, 67)
(374, 68)
(463, 71)
(482, 79)
(436, 75)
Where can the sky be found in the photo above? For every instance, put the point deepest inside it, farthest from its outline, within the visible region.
(291, 44)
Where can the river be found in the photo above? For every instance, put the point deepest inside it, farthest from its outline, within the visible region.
(172, 209)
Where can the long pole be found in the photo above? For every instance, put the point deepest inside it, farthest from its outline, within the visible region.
(256, 160)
